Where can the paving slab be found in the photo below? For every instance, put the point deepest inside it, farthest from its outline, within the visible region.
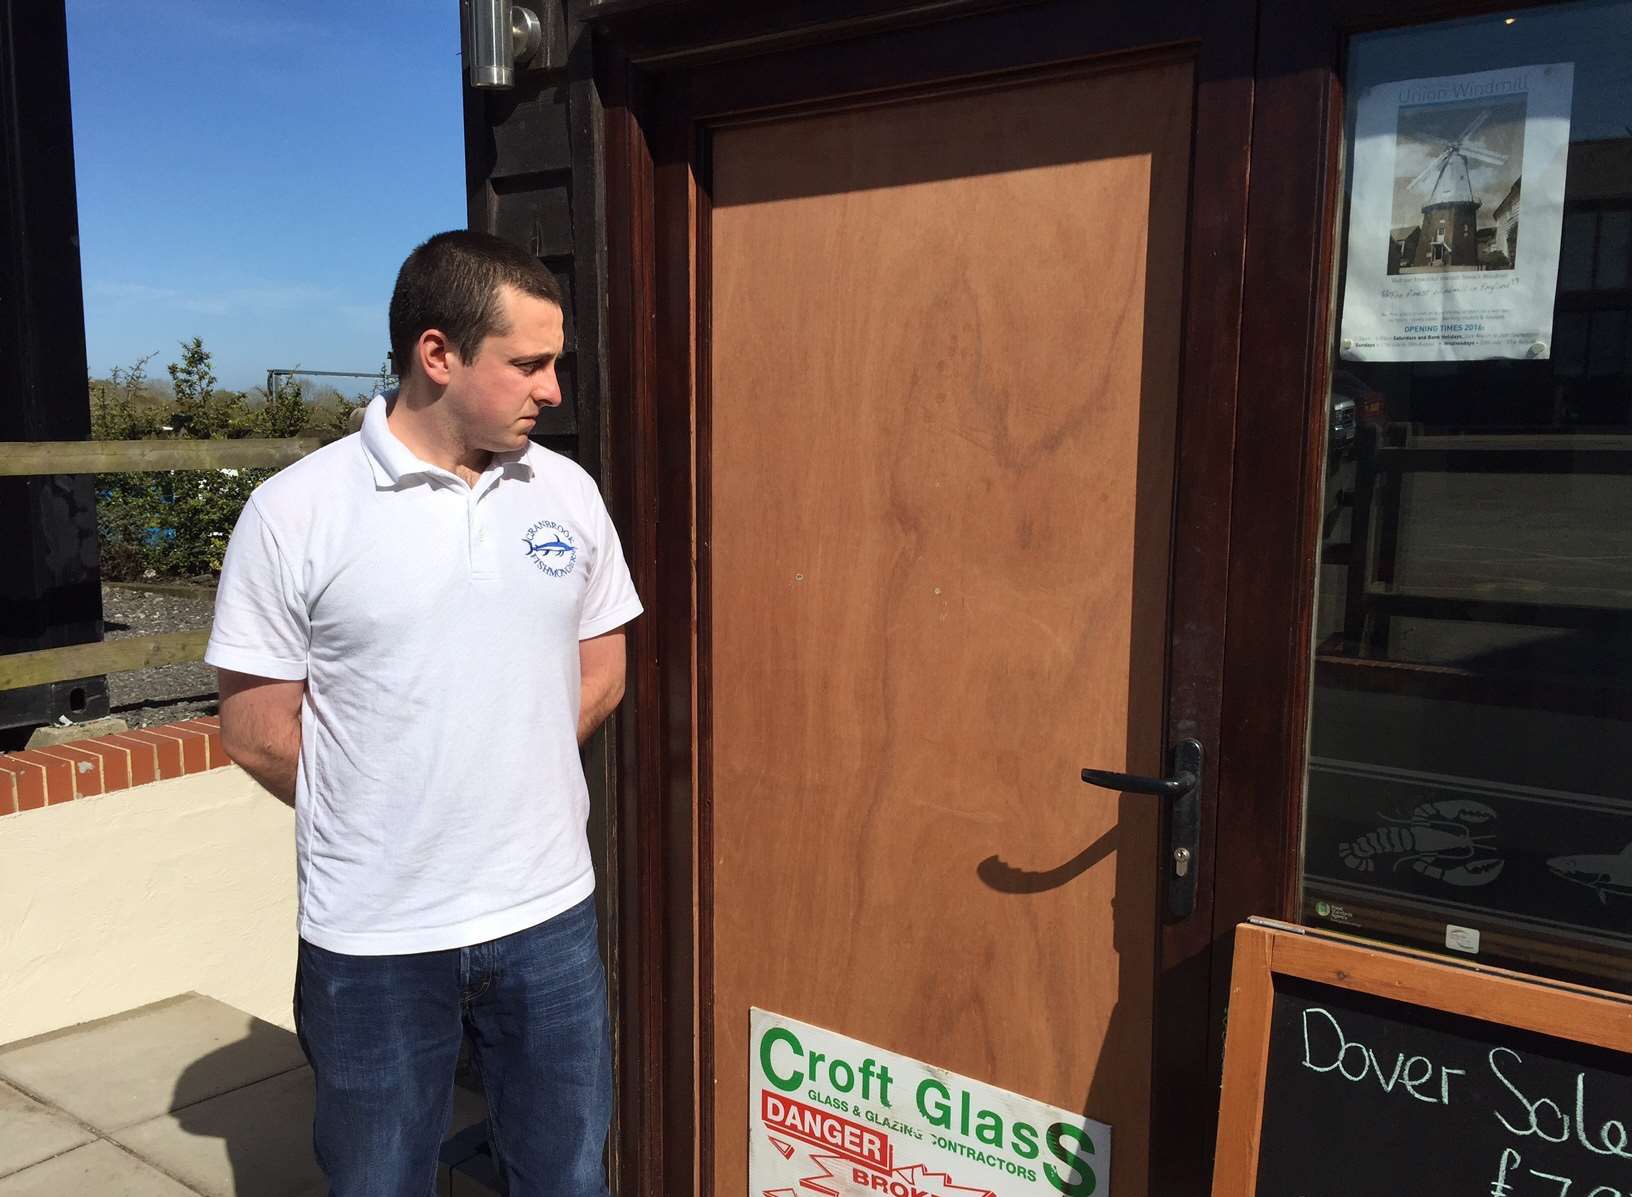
(130, 1068)
(98, 1169)
(460, 1145)
(457, 1149)
(468, 1109)
(476, 1177)
(30, 1132)
(251, 1142)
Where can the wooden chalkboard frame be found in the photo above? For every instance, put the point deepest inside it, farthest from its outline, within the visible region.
(1266, 950)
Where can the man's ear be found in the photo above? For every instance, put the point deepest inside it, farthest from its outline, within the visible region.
(435, 356)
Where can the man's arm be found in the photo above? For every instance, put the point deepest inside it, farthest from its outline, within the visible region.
(601, 668)
(260, 728)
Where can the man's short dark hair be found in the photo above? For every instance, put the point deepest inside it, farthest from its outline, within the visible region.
(451, 283)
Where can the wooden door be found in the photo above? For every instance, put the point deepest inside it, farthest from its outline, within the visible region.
(943, 361)
(932, 491)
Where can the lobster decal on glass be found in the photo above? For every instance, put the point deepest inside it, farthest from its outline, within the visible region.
(1444, 841)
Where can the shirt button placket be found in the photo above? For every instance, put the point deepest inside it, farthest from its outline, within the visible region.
(481, 547)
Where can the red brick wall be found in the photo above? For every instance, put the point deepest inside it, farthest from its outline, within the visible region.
(40, 777)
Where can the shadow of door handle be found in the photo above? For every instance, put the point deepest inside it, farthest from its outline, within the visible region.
(1181, 819)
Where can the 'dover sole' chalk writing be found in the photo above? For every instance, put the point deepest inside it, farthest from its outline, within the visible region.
(1325, 1041)
(1545, 1118)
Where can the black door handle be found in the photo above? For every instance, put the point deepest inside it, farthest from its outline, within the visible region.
(1176, 786)
(1182, 818)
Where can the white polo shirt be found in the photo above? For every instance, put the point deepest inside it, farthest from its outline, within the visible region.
(440, 800)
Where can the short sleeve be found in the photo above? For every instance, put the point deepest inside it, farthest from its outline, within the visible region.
(261, 626)
(610, 600)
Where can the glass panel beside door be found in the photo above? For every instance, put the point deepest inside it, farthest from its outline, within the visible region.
(1468, 785)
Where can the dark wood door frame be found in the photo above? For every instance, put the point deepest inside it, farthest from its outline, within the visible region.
(661, 82)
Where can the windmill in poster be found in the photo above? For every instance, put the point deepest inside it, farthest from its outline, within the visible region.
(1467, 172)
(1450, 216)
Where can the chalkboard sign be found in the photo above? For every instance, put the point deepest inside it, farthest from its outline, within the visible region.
(1357, 1069)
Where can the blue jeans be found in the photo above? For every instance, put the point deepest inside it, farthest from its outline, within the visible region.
(383, 1036)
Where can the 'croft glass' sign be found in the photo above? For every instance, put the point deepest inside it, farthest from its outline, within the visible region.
(835, 1116)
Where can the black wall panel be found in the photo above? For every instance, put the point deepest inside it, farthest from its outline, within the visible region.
(50, 593)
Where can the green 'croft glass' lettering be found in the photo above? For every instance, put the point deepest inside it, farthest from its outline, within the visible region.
(1074, 1156)
(772, 1037)
(939, 1109)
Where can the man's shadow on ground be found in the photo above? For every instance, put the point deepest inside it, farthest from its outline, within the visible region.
(265, 1125)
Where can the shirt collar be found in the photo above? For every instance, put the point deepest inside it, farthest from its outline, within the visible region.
(393, 462)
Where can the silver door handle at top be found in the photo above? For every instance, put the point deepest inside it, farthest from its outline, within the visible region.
(1181, 821)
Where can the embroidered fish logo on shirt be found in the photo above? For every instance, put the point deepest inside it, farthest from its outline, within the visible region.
(548, 547)
(551, 547)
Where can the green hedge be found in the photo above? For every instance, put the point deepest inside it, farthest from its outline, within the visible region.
(175, 524)
(172, 524)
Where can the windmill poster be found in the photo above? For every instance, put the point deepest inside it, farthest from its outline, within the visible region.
(835, 1117)
(1440, 265)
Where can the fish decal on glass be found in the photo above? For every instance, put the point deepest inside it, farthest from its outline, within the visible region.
(1603, 873)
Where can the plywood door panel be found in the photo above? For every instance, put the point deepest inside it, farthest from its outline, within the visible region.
(941, 388)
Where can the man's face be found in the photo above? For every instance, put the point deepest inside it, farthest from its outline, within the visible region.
(497, 394)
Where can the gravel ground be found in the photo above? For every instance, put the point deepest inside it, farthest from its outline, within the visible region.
(144, 697)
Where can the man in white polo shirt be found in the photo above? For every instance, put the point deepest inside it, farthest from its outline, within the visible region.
(416, 628)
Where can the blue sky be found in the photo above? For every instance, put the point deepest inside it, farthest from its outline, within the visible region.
(253, 173)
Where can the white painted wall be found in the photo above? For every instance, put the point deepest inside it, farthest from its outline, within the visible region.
(111, 902)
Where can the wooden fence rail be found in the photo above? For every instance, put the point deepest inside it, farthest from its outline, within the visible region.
(34, 458)
(75, 661)
(25, 459)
